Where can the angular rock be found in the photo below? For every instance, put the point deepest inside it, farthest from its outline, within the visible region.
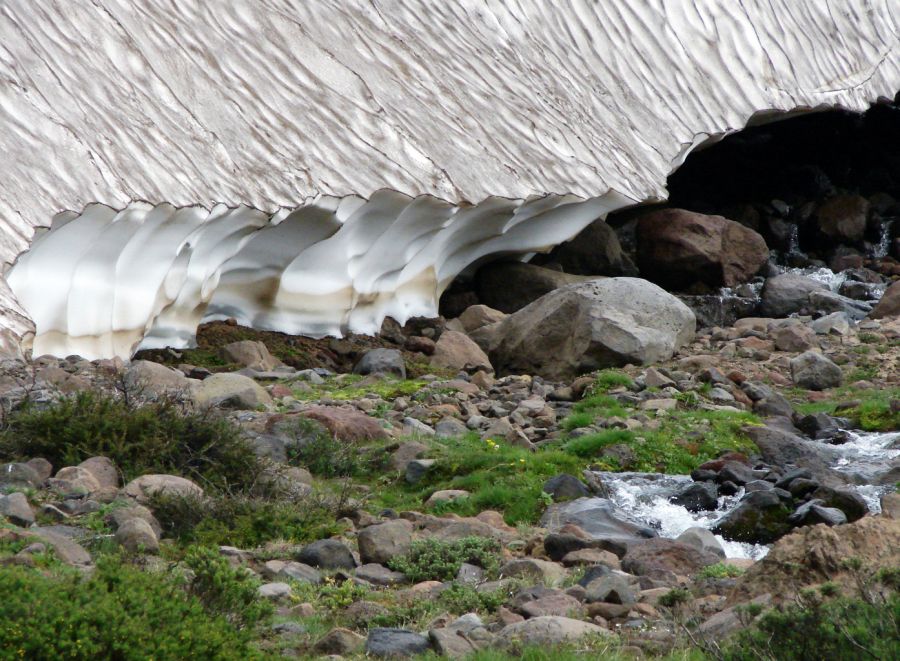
(383, 541)
(103, 469)
(702, 539)
(379, 575)
(558, 604)
(19, 475)
(510, 286)
(565, 487)
(697, 497)
(678, 248)
(395, 643)
(327, 554)
(666, 558)
(340, 641)
(594, 251)
(532, 569)
(760, 518)
(889, 305)
(787, 293)
(813, 371)
(251, 354)
(228, 390)
(456, 351)
(612, 588)
(16, 509)
(476, 316)
(347, 424)
(590, 325)
(596, 517)
(844, 217)
(795, 338)
(813, 512)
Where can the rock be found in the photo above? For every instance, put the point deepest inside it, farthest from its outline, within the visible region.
(588, 557)
(379, 575)
(828, 301)
(612, 588)
(702, 539)
(119, 516)
(41, 466)
(381, 542)
(736, 472)
(812, 512)
(595, 324)
(395, 643)
(274, 591)
(419, 344)
(558, 604)
(889, 305)
(594, 251)
(678, 248)
(347, 424)
(665, 559)
(450, 427)
(103, 469)
(849, 502)
(760, 518)
(782, 448)
(697, 497)
(445, 496)
(294, 571)
(787, 293)
(228, 390)
(145, 486)
(16, 509)
(66, 550)
(795, 338)
(532, 569)
(148, 379)
(597, 520)
(417, 468)
(890, 505)
(74, 480)
(565, 487)
(453, 643)
(844, 217)
(812, 555)
(137, 536)
(381, 361)
(837, 323)
(19, 475)
(251, 354)
(813, 371)
(327, 554)
(339, 641)
(456, 351)
(510, 286)
(476, 316)
(548, 631)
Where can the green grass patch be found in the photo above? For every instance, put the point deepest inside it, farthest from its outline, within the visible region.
(348, 387)
(592, 445)
(720, 570)
(871, 413)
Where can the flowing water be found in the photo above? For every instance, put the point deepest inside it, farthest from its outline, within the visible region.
(644, 497)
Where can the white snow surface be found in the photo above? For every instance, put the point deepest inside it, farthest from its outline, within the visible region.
(271, 104)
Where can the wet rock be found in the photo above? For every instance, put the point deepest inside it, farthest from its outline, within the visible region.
(849, 502)
(787, 293)
(814, 512)
(697, 497)
(760, 518)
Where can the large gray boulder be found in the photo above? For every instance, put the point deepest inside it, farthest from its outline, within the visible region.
(592, 325)
(788, 293)
(381, 361)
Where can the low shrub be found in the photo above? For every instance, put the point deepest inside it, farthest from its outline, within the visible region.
(157, 437)
(720, 570)
(822, 625)
(323, 455)
(119, 612)
(242, 520)
(590, 445)
(436, 560)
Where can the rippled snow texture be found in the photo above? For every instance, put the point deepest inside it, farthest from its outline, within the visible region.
(271, 103)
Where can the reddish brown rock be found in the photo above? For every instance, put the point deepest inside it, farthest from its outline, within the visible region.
(678, 248)
(889, 305)
(347, 424)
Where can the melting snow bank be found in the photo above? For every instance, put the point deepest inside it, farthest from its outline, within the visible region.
(105, 282)
(644, 497)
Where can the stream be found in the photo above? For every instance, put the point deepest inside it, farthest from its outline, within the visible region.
(644, 497)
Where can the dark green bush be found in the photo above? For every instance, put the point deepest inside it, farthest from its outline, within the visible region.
(241, 520)
(224, 590)
(323, 455)
(821, 626)
(436, 560)
(158, 437)
(117, 613)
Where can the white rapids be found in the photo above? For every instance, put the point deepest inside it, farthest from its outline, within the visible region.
(644, 497)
